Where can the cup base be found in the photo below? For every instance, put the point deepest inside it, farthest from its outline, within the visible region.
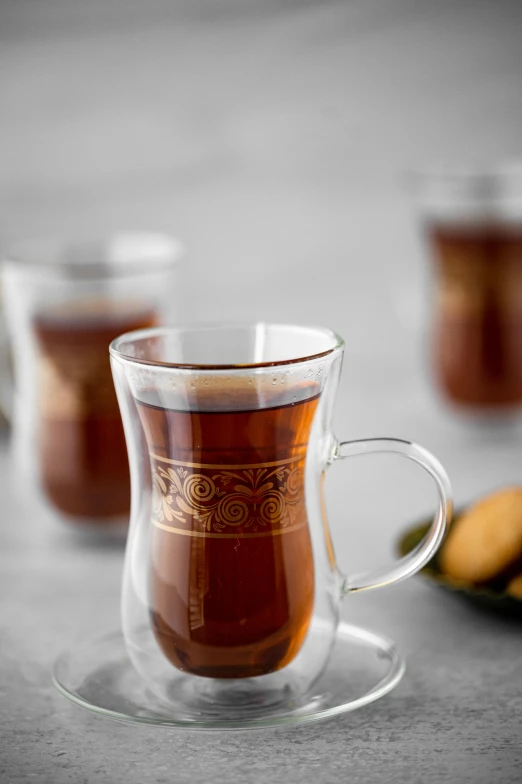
(98, 675)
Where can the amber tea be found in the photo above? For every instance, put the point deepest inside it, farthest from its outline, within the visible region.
(82, 452)
(231, 573)
(477, 340)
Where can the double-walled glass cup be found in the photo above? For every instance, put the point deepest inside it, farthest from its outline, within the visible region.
(231, 592)
(64, 302)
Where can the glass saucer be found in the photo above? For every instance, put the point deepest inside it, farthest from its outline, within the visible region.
(98, 675)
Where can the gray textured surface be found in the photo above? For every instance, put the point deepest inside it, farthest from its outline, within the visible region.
(270, 138)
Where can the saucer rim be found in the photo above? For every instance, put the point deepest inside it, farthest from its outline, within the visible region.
(383, 646)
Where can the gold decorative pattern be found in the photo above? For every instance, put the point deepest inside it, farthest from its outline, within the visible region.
(228, 501)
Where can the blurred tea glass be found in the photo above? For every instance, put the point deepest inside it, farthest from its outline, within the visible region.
(472, 220)
(63, 304)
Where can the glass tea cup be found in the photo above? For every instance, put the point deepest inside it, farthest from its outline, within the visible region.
(231, 591)
(64, 302)
(472, 221)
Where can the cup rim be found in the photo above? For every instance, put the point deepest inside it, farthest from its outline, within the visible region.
(338, 344)
(132, 253)
(490, 177)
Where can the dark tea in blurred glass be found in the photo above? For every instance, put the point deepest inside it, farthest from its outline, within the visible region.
(81, 444)
(477, 329)
(473, 224)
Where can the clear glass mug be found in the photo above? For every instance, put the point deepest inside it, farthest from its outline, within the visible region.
(63, 303)
(231, 592)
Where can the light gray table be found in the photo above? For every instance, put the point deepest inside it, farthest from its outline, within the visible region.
(270, 136)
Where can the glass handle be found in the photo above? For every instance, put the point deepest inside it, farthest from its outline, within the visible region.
(415, 560)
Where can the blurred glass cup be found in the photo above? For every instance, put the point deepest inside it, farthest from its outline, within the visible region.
(472, 220)
(64, 302)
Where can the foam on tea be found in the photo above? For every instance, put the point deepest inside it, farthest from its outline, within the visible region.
(82, 452)
(231, 586)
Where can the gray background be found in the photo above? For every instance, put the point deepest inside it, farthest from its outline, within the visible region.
(272, 137)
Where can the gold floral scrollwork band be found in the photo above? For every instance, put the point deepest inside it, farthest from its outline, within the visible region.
(205, 500)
